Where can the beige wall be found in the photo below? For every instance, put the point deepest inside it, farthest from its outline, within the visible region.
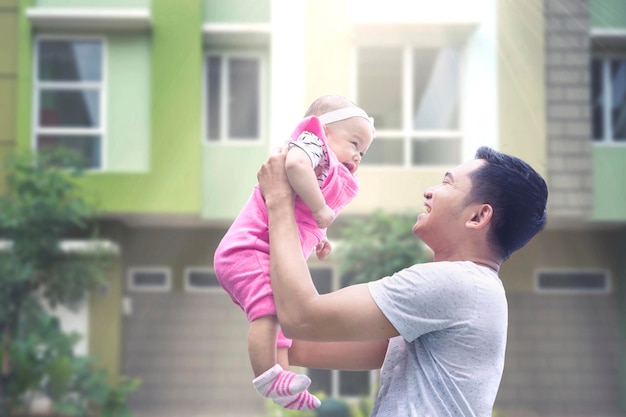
(521, 85)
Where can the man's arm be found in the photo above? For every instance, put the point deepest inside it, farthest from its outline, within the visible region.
(349, 314)
(346, 356)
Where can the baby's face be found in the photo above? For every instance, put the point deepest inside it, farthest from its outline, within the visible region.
(349, 140)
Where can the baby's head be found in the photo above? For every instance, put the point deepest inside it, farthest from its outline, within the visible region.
(349, 130)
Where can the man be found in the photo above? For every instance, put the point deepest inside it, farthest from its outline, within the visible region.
(438, 329)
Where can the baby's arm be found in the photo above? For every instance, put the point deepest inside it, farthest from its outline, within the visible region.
(303, 180)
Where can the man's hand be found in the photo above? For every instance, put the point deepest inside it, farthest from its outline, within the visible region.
(273, 178)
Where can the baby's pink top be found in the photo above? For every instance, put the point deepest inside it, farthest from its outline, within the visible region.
(243, 253)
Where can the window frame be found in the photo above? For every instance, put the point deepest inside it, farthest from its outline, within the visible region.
(224, 138)
(607, 118)
(406, 133)
(100, 86)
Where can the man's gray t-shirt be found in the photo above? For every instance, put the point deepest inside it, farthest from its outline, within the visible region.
(448, 360)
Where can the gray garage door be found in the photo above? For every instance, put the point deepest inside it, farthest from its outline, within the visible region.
(188, 347)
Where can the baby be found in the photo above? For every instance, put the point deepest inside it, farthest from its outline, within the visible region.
(323, 157)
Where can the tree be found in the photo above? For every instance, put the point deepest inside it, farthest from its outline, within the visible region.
(41, 207)
(379, 245)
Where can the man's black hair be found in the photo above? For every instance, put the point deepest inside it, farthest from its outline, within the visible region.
(517, 194)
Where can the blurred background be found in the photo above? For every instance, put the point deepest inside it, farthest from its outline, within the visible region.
(174, 104)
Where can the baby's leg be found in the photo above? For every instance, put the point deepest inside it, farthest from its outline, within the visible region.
(262, 343)
(283, 356)
(285, 388)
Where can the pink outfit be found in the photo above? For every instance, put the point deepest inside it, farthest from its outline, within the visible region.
(242, 262)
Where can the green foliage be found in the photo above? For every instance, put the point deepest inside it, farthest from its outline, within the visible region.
(45, 363)
(379, 245)
(40, 208)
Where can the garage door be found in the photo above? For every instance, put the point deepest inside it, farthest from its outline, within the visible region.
(188, 346)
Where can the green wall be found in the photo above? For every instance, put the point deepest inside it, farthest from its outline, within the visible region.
(609, 187)
(172, 183)
(608, 13)
(128, 104)
(8, 75)
(237, 11)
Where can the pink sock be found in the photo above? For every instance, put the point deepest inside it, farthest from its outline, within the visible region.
(286, 388)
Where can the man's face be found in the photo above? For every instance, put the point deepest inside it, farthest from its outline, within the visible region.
(445, 209)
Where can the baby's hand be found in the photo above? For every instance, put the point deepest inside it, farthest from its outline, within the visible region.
(324, 216)
(323, 249)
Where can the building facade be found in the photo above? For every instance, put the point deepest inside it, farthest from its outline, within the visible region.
(175, 104)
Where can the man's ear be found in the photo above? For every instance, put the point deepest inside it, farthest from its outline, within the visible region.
(481, 216)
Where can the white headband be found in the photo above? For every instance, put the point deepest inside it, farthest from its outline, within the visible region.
(345, 113)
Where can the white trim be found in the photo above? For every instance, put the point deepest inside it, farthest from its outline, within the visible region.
(606, 289)
(75, 246)
(608, 34)
(195, 289)
(166, 287)
(228, 34)
(116, 19)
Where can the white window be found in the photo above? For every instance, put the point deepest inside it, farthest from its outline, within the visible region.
(333, 382)
(69, 97)
(233, 97)
(608, 95)
(577, 281)
(413, 93)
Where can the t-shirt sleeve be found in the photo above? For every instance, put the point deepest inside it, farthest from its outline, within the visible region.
(311, 145)
(425, 298)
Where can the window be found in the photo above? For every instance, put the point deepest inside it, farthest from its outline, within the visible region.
(333, 382)
(233, 97)
(149, 279)
(414, 96)
(69, 84)
(608, 95)
(201, 280)
(573, 282)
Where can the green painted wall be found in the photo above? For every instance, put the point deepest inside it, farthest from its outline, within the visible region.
(608, 13)
(92, 3)
(237, 11)
(105, 323)
(229, 170)
(8, 75)
(172, 183)
(229, 173)
(609, 188)
(24, 78)
(128, 106)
